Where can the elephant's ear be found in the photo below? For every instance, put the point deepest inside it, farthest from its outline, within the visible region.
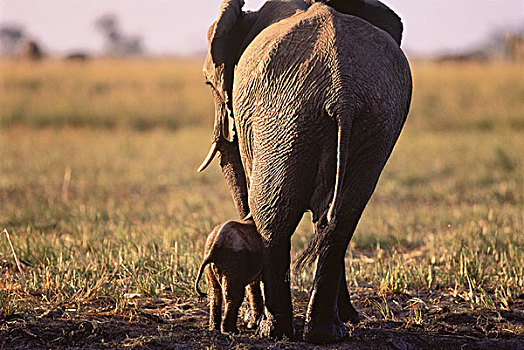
(219, 38)
(374, 12)
(223, 50)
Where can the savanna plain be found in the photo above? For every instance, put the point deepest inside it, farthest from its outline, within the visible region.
(102, 206)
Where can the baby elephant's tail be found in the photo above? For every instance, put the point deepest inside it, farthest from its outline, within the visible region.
(200, 271)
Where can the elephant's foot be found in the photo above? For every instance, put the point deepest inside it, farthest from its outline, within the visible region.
(325, 330)
(273, 326)
(346, 311)
(229, 328)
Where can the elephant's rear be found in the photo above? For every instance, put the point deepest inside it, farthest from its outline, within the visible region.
(317, 60)
(375, 76)
(372, 69)
(372, 93)
(310, 69)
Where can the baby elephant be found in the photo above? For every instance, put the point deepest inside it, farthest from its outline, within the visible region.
(233, 256)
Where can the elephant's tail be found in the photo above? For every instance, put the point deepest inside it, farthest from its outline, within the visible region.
(199, 276)
(344, 131)
(328, 221)
(315, 246)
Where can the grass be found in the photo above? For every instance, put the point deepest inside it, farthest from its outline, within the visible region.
(468, 97)
(131, 94)
(131, 218)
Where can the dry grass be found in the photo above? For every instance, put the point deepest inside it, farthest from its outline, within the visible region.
(468, 97)
(447, 216)
(133, 94)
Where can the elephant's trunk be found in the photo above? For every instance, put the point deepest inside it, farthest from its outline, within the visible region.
(235, 176)
(210, 155)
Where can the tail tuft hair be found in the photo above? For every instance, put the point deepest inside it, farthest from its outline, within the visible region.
(317, 246)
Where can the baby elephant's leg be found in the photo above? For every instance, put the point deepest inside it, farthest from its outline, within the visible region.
(233, 297)
(215, 300)
(256, 304)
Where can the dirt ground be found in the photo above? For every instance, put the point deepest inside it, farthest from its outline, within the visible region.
(443, 321)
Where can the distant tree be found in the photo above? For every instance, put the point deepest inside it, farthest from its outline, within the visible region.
(118, 43)
(11, 37)
(506, 43)
(77, 56)
(108, 23)
(514, 43)
(31, 50)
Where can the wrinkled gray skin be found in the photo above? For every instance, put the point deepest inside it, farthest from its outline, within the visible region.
(232, 262)
(309, 104)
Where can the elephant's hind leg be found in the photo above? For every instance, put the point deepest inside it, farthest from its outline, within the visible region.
(323, 320)
(279, 193)
(215, 299)
(346, 311)
(256, 303)
(233, 297)
(278, 319)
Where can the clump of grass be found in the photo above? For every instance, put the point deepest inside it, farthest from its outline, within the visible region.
(384, 309)
(504, 160)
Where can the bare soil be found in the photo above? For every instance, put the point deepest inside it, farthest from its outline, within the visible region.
(443, 321)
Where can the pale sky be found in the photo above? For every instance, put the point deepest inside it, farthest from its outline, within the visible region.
(180, 26)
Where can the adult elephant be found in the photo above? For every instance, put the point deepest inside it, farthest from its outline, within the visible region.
(310, 99)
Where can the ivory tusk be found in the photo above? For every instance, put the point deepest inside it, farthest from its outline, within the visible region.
(210, 155)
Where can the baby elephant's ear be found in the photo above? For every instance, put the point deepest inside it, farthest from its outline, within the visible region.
(229, 15)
